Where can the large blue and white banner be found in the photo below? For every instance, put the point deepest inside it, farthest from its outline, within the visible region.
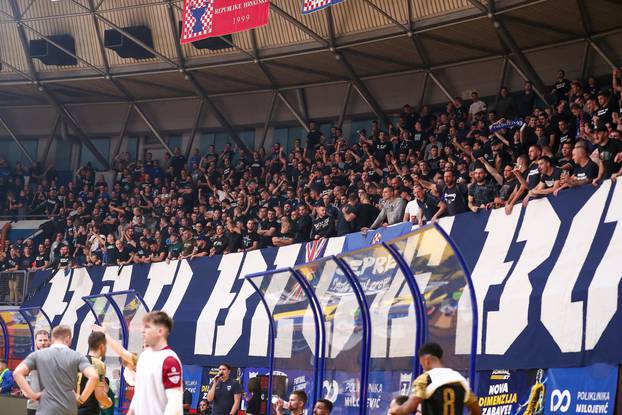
(546, 280)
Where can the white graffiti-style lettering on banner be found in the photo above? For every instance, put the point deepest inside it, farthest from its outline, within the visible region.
(528, 268)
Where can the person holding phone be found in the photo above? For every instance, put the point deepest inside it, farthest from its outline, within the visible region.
(224, 393)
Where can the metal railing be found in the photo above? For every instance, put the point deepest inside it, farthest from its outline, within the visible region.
(13, 287)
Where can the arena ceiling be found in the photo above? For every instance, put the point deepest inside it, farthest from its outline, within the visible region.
(349, 43)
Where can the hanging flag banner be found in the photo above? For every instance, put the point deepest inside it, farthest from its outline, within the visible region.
(209, 18)
(310, 6)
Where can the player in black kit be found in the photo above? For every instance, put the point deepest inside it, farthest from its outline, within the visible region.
(439, 390)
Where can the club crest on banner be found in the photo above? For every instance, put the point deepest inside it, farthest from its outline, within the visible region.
(211, 18)
(310, 6)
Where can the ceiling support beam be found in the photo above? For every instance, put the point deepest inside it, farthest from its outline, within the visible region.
(299, 25)
(265, 90)
(602, 54)
(461, 44)
(441, 86)
(123, 132)
(585, 61)
(100, 41)
(416, 39)
(180, 66)
(501, 83)
(523, 75)
(195, 127)
(266, 126)
(62, 110)
(222, 120)
(64, 49)
(422, 29)
(361, 88)
(355, 80)
(508, 42)
(302, 103)
(17, 142)
(344, 105)
(172, 22)
(424, 86)
(119, 29)
(538, 26)
(153, 129)
(48, 143)
(301, 118)
(297, 115)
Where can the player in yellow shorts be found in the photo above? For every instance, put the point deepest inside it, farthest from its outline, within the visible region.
(439, 390)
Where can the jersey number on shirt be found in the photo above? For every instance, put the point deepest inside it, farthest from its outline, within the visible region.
(449, 401)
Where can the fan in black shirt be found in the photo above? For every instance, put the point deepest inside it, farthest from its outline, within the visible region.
(250, 239)
(303, 225)
(585, 170)
(549, 180)
(453, 195)
(610, 153)
(111, 251)
(142, 254)
(219, 241)
(366, 214)
(64, 261)
(348, 215)
(323, 225)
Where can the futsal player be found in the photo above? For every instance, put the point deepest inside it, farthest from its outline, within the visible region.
(159, 383)
(439, 390)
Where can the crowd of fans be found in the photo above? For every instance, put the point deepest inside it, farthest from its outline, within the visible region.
(425, 166)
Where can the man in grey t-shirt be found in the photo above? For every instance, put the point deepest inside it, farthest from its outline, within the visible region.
(42, 341)
(392, 211)
(57, 372)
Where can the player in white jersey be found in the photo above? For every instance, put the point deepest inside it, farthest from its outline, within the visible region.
(158, 389)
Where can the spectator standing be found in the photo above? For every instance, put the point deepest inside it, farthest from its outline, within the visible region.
(453, 195)
(482, 193)
(505, 106)
(477, 105)
(392, 210)
(158, 388)
(428, 205)
(42, 341)
(99, 397)
(562, 87)
(254, 397)
(225, 393)
(525, 100)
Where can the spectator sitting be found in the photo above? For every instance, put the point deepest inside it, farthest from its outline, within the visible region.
(6, 378)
